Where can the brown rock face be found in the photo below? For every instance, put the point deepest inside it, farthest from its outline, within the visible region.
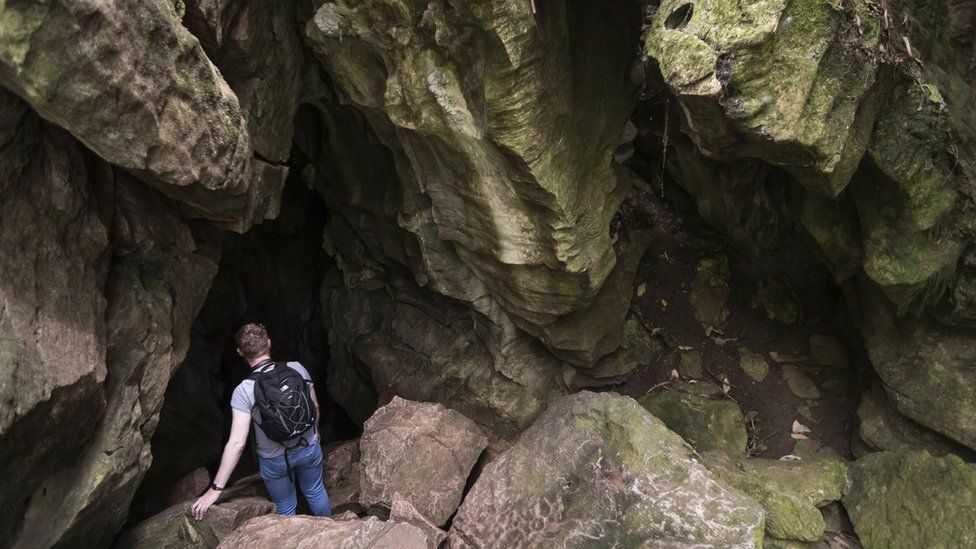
(424, 452)
(138, 90)
(176, 527)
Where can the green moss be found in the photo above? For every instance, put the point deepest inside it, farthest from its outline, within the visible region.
(790, 492)
(709, 290)
(753, 364)
(705, 423)
(913, 500)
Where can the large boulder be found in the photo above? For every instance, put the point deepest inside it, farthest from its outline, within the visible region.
(422, 451)
(881, 427)
(302, 531)
(156, 107)
(913, 499)
(176, 527)
(701, 415)
(791, 492)
(597, 468)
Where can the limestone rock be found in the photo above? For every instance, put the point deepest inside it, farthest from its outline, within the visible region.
(881, 427)
(402, 511)
(705, 422)
(596, 466)
(54, 245)
(912, 500)
(709, 290)
(341, 475)
(157, 107)
(156, 285)
(302, 531)
(925, 367)
(827, 351)
(176, 527)
(799, 382)
(426, 348)
(789, 491)
(799, 83)
(753, 364)
(691, 365)
(515, 224)
(422, 451)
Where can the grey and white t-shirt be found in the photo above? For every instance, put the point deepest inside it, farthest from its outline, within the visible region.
(243, 400)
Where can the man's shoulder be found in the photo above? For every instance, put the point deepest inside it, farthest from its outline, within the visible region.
(297, 366)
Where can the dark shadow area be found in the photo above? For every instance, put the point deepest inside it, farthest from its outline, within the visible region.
(273, 275)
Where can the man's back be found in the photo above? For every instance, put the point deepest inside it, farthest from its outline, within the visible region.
(243, 400)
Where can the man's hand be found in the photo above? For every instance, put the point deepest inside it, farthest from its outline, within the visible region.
(204, 503)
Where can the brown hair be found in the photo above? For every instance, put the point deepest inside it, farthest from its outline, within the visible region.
(252, 340)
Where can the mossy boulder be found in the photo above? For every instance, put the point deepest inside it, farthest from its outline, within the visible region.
(912, 499)
(597, 469)
(784, 81)
(706, 421)
(881, 427)
(789, 491)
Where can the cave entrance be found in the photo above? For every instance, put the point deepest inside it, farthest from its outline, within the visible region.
(273, 274)
(744, 307)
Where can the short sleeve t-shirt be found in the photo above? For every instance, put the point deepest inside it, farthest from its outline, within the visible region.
(243, 400)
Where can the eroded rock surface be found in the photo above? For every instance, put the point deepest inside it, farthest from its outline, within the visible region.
(422, 451)
(302, 531)
(597, 468)
(912, 500)
(139, 91)
(867, 108)
(701, 415)
(789, 491)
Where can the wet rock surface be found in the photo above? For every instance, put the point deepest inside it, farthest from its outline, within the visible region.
(598, 467)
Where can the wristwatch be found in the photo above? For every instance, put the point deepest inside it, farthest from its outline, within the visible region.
(215, 488)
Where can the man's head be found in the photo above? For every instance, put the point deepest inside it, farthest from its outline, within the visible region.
(252, 341)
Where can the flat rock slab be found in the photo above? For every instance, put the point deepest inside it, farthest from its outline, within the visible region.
(422, 451)
(304, 531)
(596, 469)
(913, 500)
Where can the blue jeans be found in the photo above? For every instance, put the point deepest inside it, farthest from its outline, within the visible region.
(306, 466)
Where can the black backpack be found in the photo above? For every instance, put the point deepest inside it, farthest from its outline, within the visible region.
(282, 403)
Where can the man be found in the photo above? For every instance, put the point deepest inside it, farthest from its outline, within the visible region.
(282, 466)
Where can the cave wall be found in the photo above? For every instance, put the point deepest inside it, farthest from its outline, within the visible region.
(463, 152)
(869, 109)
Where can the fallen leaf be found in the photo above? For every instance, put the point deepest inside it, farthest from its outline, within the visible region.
(799, 427)
(686, 347)
(664, 303)
(642, 289)
(790, 457)
(674, 374)
(799, 436)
